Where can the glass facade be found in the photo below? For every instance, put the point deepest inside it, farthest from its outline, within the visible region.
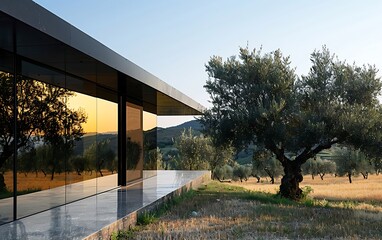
(70, 149)
(7, 133)
(134, 142)
(71, 126)
(150, 150)
(63, 117)
(107, 142)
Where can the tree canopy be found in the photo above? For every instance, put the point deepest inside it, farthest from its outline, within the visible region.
(42, 115)
(258, 98)
(193, 151)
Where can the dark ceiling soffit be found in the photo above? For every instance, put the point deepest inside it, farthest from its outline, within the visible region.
(38, 17)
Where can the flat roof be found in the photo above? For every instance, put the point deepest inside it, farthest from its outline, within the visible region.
(48, 39)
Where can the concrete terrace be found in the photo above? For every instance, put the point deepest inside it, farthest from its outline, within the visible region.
(98, 216)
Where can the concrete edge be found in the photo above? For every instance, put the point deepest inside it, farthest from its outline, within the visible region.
(130, 220)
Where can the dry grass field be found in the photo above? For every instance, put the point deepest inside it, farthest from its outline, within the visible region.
(227, 211)
(331, 188)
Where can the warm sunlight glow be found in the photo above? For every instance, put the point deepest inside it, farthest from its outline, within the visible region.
(149, 121)
(101, 114)
(107, 113)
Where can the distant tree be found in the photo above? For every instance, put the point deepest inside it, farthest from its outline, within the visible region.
(150, 150)
(100, 154)
(365, 166)
(310, 167)
(159, 157)
(219, 157)
(42, 114)
(43, 156)
(133, 152)
(258, 99)
(153, 158)
(112, 165)
(193, 151)
(79, 164)
(241, 172)
(318, 166)
(350, 162)
(169, 159)
(377, 163)
(264, 164)
(325, 167)
(27, 160)
(223, 173)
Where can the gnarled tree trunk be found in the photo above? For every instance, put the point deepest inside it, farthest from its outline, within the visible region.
(290, 183)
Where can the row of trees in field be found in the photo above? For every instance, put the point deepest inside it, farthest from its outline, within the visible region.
(45, 132)
(99, 156)
(41, 111)
(341, 161)
(52, 159)
(193, 152)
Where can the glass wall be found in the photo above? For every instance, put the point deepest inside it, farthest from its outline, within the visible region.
(65, 124)
(82, 160)
(134, 142)
(166, 137)
(41, 159)
(150, 151)
(107, 144)
(67, 134)
(70, 149)
(6, 137)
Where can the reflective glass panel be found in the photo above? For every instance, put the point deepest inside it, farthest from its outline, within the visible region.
(42, 145)
(82, 159)
(6, 150)
(107, 141)
(150, 151)
(134, 142)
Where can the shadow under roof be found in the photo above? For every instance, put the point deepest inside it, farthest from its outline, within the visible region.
(44, 38)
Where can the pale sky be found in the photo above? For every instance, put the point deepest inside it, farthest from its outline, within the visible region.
(174, 39)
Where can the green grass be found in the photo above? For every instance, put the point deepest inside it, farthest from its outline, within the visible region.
(228, 212)
(149, 217)
(174, 201)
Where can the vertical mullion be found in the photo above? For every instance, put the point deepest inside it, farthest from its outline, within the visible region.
(15, 110)
(121, 131)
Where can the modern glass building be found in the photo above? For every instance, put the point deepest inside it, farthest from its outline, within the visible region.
(76, 118)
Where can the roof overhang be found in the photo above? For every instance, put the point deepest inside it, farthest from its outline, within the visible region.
(49, 40)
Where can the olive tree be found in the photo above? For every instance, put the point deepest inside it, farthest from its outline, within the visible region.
(193, 151)
(258, 99)
(320, 167)
(377, 163)
(102, 154)
(264, 164)
(351, 162)
(218, 157)
(224, 173)
(241, 172)
(42, 115)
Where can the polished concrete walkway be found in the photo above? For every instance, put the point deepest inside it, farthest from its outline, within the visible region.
(39, 201)
(82, 218)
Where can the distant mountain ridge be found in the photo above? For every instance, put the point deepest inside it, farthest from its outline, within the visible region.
(194, 124)
(166, 136)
